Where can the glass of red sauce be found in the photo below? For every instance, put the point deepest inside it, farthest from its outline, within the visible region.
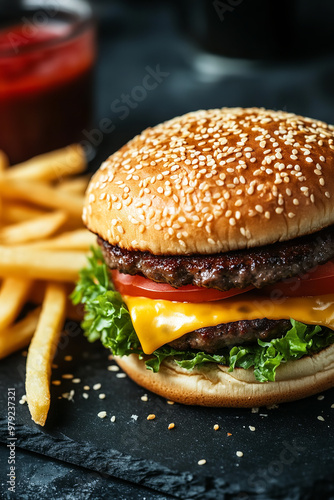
(47, 53)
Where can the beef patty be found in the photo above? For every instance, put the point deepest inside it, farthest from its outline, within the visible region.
(213, 338)
(237, 269)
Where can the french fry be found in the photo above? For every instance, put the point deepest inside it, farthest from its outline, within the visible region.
(13, 294)
(77, 185)
(18, 336)
(42, 195)
(34, 229)
(19, 212)
(4, 162)
(80, 239)
(41, 264)
(51, 166)
(41, 352)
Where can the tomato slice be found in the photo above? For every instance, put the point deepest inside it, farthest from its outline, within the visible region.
(318, 281)
(137, 286)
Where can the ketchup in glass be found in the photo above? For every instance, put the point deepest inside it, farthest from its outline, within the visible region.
(46, 64)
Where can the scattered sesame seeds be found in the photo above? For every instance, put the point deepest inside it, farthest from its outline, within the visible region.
(201, 462)
(121, 375)
(96, 387)
(67, 376)
(151, 416)
(86, 387)
(320, 397)
(170, 402)
(23, 399)
(85, 395)
(76, 380)
(113, 419)
(102, 396)
(216, 427)
(252, 428)
(171, 426)
(210, 151)
(68, 395)
(144, 398)
(102, 414)
(68, 357)
(321, 418)
(239, 454)
(56, 382)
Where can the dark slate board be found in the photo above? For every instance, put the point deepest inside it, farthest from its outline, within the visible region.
(289, 455)
(44, 478)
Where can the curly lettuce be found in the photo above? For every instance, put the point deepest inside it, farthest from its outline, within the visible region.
(107, 318)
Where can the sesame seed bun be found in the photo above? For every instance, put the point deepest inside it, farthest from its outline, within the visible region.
(214, 181)
(213, 385)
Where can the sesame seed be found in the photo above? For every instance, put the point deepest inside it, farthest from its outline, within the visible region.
(67, 376)
(144, 397)
(321, 397)
(85, 395)
(102, 414)
(151, 416)
(113, 368)
(102, 396)
(251, 428)
(239, 454)
(68, 358)
(171, 426)
(169, 402)
(216, 427)
(121, 375)
(113, 418)
(321, 418)
(76, 380)
(56, 382)
(202, 461)
(96, 387)
(86, 387)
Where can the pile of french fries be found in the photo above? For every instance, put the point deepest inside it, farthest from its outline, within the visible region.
(43, 245)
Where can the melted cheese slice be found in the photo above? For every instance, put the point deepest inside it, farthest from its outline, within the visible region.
(157, 322)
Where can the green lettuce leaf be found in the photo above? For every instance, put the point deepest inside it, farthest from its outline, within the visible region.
(107, 318)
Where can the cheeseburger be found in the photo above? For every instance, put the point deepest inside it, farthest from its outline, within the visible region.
(213, 281)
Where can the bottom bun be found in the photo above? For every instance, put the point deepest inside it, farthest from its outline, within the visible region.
(213, 385)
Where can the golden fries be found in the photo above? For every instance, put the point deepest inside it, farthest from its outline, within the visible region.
(34, 229)
(41, 264)
(14, 212)
(43, 246)
(50, 166)
(18, 336)
(42, 350)
(41, 195)
(80, 239)
(77, 185)
(13, 294)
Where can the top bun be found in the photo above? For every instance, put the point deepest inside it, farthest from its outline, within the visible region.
(214, 181)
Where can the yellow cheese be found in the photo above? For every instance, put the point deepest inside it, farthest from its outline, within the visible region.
(157, 322)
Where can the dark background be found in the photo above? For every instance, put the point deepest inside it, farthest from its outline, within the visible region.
(275, 54)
